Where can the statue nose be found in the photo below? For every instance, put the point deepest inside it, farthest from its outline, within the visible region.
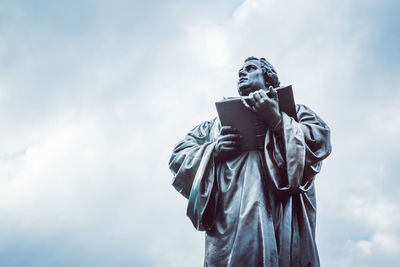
(242, 73)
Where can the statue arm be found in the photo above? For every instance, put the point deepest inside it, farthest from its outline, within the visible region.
(186, 157)
(193, 167)
(295, 150)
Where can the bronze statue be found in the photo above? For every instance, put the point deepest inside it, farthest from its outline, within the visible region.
(258, 207)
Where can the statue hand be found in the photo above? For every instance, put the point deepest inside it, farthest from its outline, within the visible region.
(228, 143)
(267, 107)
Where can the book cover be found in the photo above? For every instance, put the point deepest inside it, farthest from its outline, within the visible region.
(232, 112)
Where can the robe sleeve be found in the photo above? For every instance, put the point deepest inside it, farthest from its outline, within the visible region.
(192, 164)
(294, 150)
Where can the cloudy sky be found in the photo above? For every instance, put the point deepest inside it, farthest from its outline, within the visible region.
(94, 95)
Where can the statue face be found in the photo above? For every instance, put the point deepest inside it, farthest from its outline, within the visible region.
(251, 78)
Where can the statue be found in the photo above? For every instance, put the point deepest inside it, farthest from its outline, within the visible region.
(257, 208)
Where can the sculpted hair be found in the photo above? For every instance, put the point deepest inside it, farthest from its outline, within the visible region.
(270, 75)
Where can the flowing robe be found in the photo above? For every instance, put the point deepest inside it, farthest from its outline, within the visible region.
(257, 208)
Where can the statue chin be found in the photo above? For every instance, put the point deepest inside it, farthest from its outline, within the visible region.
(245, 91)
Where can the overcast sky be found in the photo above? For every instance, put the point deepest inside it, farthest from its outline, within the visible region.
(94, 95)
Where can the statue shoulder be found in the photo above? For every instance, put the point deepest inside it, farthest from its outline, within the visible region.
(307, 115)
(204, 129)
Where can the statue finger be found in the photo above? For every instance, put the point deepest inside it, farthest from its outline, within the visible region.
(230, 149)
(228, 137)
(252, 99)
(246, 104)
(263, 94)
(257, 96)
(227, 130)
(226, 144)
(273, 92)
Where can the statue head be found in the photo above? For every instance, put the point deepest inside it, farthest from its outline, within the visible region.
(256, 74)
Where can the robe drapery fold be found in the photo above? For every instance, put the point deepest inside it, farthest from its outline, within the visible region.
(258, 208)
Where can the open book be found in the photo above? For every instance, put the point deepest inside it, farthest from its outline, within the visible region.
(232, 112)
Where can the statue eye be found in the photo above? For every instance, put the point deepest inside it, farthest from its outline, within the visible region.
(251, 68)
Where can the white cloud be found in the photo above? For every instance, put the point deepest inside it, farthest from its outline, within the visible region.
(209, 44)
